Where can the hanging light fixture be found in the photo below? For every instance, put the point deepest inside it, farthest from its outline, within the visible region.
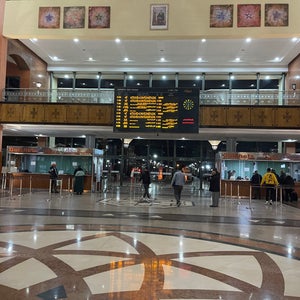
(214, 144)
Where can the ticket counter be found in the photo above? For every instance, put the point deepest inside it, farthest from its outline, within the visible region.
(245, 163)
(27, 167)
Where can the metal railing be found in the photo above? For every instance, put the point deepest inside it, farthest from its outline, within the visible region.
(106, 96)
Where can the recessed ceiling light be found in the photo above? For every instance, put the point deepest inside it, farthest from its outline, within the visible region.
(76, 40)
(130, 77)
(248, 40)
(126, 59)
(203, 40)
(33, 40)
(66, 76)
(117, 40)
(199, 59)
(294, 39)
(237, 59)
(198, 77)
(91, 59)
(164, 77)
(162, 59)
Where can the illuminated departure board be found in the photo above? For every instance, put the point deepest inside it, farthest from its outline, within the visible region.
(156, 110)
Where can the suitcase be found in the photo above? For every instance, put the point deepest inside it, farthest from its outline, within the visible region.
(294, 196)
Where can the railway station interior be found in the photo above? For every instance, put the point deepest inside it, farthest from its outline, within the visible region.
(66, 72)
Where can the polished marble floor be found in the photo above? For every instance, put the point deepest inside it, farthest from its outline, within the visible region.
(115, 245)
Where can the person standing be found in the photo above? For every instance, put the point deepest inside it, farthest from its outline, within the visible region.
(177, 182)
(214, 187)
(78, 180)
(269, 180)
(146, 180)
(53, 177)
(255, 184)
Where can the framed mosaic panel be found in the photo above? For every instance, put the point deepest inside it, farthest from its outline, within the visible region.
(99, 17)
(49, 17)
(159, 15)
(74, 17)
(221, 16)
(248, 15)
(276, 15)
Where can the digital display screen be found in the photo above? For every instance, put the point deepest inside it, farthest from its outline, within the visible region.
(156, 110)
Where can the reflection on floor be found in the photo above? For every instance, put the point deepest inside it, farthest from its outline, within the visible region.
(115, 245)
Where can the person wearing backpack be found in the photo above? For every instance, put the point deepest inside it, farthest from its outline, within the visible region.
(270, 182)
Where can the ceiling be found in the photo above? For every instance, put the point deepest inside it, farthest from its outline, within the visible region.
(217, 55)
(266, 56)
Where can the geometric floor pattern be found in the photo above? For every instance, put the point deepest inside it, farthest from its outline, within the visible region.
(95, 246)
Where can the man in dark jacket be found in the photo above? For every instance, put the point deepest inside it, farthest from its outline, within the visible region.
(214, 187)
(255, 184)
(53, 176)
(146, 180)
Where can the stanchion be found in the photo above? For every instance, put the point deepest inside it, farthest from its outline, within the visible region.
(60, 182)
(250, 198)
(21, 184)
(11, 183)
(69, 184)
(225, 186)
(50, 186)
(30, 184)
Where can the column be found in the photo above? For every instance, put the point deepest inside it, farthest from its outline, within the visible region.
(125, 80)
(90, 141)
(257, 88)
(74, 81)
(53, 88)
(203, 82)
(176, 80)
(51, 141)
(150, 79)
(231, 145)
(3, 61)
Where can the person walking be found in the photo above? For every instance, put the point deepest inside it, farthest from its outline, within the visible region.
(255, 184)
(177, 182)
(146, 180)
(53, 177)
(269, 180)
(214, 187)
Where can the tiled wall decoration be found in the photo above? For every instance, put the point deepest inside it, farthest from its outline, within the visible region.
(74, 17)
(248, 15)
(49, 17)
(221, 16)
(276, 15)
(99, 17)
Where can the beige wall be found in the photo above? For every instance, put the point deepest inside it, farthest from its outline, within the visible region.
(131, 19)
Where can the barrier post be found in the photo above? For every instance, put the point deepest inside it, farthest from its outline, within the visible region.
(21, 184)
(11, 183)
(30, 184)
(50, 186)
(69, 184)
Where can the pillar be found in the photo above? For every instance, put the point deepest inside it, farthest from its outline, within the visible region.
(150, 79)
(52, 142)
(3, 61)
(90, 141)
(125, 80)
(231, 145)
(176, 80)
